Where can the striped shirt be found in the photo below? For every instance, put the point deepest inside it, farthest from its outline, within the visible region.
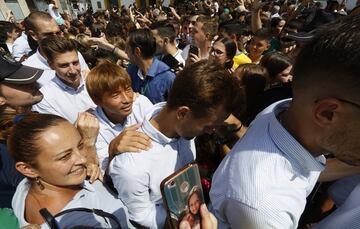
(265, 179)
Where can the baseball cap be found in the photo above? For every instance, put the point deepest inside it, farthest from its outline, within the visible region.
(15, 73)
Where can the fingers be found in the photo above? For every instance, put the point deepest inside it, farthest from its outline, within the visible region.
(184, 224)
(132, 127)
(93, 171)
(208, 220)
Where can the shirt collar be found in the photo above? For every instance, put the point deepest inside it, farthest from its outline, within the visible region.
(41, 58)
(106, 120)
(288, 144)
(153, 70)
(151, 131)
(65, 87)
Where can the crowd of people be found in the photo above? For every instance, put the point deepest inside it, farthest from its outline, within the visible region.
(96, 111)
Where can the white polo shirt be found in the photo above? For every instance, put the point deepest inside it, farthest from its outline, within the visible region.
(108, 130)
(65, 101)
(137, 176)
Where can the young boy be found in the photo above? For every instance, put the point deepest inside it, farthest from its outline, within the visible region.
(118, 107)
(258, 45)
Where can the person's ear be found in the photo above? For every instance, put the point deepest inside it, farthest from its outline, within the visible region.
(32, 34)
(233, 37)
(26, 169)
(166, 40)
(51, 65)
(268, 45)
(208, 36)
(137, 52)
(2, 100)
(181, 112)
(325, 111)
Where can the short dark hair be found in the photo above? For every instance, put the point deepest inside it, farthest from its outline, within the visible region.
(263, 34)
(164, 29)
(331, 59)
(144, 40)
(5, 27)
(53, 45)
(29, 21)
(203, 87)
(275, 62)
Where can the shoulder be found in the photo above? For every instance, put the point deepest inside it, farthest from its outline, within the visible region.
(128, 163)
(132, 69)
(18, 202)
(143, 104)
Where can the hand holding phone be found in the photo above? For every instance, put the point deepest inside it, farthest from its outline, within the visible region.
(194, 50)
(183, 196)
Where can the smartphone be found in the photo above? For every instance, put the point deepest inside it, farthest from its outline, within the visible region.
(194, 50)
(183, 196)
(171, 61)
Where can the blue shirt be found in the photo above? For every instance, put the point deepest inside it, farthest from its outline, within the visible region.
(137, 176)
(265, 179)
(157, 82)
(9, 176)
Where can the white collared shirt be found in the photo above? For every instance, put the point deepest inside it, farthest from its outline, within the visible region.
(108, 130)
(20, 47)
(265, 179)
(178, 56)
(137, 176)
(38, 61)
(62, 100)
(92, 196)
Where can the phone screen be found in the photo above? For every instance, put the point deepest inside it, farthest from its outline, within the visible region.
(194, 50)
(184, 195)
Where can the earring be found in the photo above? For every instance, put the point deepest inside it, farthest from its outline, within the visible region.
(38, 182)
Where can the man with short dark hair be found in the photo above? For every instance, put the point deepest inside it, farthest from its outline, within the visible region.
(202, 97)
(150, 76)
(166, 49)
(265, 179)
(65, 94)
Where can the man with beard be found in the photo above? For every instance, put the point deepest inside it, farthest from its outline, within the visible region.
(18, 89)
(202, 96)
(265, 179)
(65, 95)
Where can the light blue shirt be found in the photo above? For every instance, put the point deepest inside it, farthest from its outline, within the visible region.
(65, 101)
(92, 196)
(347, 216)
(108, 130)
(137, 176)
(265, 179)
